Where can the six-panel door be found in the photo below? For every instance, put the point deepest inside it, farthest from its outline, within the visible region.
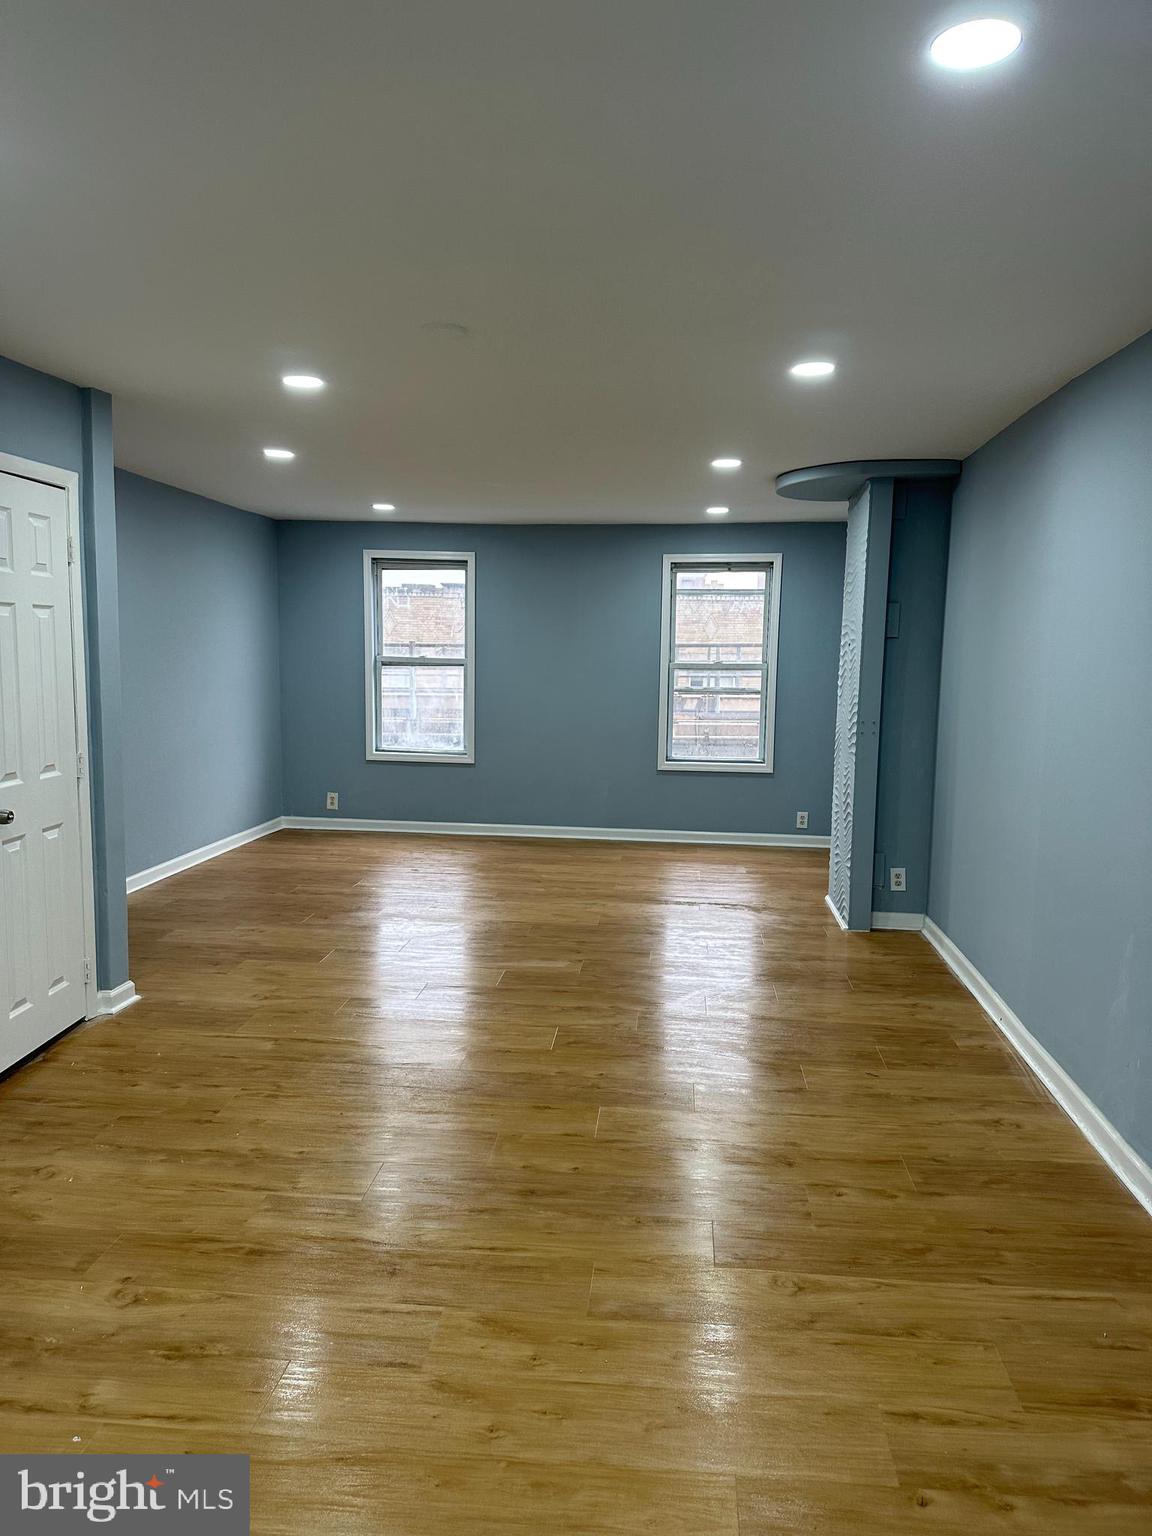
(41, 869)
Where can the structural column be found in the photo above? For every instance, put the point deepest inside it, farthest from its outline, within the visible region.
(888, 680)
(102, 623)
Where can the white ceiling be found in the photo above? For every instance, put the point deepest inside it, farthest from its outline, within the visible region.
(643, 210)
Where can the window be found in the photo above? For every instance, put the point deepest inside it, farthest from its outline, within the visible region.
(718, 629)
(420, 628)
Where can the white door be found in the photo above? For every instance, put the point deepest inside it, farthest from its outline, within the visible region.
(41, 854)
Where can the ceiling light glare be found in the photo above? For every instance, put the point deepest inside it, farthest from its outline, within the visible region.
(812, 368)
(727, 463)
(304, 382)
(383, 506)
(975, 44)
(279, 455)
(715, 511)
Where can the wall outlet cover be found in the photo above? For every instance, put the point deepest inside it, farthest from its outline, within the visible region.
(332, 801)
(801, 819)
(898, 878)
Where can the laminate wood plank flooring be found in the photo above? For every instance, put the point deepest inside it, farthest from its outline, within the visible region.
(481, 1186)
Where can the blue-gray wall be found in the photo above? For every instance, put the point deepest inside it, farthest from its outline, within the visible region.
(200, 635)
(58, 424)
(40, 417)
(917, 573)
(567, 679)
(1042, 850)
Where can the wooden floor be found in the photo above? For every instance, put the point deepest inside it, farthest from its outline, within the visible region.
(505, 1187)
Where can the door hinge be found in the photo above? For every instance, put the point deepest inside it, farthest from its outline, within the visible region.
(71, 550)
(79, 765)
(87, 970)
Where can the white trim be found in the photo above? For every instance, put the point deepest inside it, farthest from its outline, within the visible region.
(431, 557)
(772, 645)
(1124, 1161)
(898, 922)
(115, 1000)
(832, 907)
(583, 834)
(68, 480)
(184, 861)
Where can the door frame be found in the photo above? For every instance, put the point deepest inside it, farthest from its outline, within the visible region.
(68, 480)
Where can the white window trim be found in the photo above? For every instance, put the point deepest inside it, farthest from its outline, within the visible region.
(772, 636)
(429, 557)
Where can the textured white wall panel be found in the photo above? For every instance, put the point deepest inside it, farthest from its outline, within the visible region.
(848, 703)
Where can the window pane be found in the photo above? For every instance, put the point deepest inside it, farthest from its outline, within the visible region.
(719, 615)
(422, 611)
(715, 717)
(421, 709)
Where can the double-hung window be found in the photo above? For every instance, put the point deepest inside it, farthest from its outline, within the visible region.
(419, 613)
(718, 632)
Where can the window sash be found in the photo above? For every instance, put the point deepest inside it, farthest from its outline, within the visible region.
(415, 707)
(378, 569)
(759, 694)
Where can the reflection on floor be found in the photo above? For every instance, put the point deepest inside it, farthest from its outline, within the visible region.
(505, 1187)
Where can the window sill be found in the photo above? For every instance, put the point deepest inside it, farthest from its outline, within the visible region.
(467, 758)
(666, 767)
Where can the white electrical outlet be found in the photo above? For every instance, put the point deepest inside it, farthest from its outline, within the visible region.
(898, 878)
(332, 803)
(801, 820)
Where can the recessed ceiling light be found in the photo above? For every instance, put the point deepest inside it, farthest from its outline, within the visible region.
(715, 511)
(383, 506)
(303, 381)
(279, 453)
(975, 44)
(812, 369)
(727, 463)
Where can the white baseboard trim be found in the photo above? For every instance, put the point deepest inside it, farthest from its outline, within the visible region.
(184, 861)
(899, 922)
(115, 1000)
(835, 911)
(583, 834)
(1124, 1161)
